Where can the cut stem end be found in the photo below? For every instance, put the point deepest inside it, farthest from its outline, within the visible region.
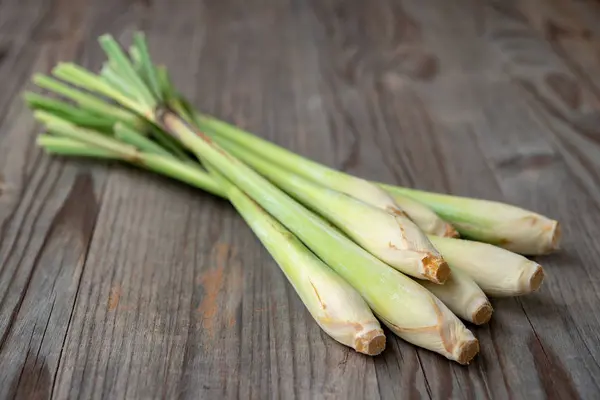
(536, 279)
(435, 269)
(466, 351)
(482, 313)
(370, 343)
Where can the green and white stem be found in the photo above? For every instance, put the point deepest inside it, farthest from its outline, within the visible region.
(407, 308)
(463, 297)
(503, 225)
(358, 188)
(336, 307)
(393, 238)
(497, 223)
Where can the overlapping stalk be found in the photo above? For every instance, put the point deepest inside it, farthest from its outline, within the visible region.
(147, 124)
(383, 234)
(497, 271)
(334, 304)
(403, 305)
(425, 219)
(500, 224)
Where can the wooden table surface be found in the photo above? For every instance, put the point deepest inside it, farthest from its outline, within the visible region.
(116, 283)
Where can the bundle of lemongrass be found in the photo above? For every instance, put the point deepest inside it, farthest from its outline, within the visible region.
(351, 249)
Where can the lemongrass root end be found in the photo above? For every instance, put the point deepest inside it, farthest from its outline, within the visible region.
(466, 351)
(435, 269)
(536, 279)
(370, 343)
(482, 314)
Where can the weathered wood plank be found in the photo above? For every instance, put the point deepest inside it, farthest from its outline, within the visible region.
(126, 285)
(48, 208)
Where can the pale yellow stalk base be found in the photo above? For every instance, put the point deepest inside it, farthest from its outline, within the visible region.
(481, 311)
(371, 342)
(513, 228)
(498, 272)
(463, 297)
(448, 336)
(435, 269)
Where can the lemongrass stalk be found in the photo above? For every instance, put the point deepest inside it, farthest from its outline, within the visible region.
(85, 100)
(426, 220)
(510, 227)
(409, 249)
(141, 142)
(81, 77)
(79, 116)
(507, 226)
(393, 238)
(336, 180)
(77, 141)
(336, 307)
(407, 308)
(463, 297)
(70, 147)
(94, 113)
(497, 271)
(147, 68)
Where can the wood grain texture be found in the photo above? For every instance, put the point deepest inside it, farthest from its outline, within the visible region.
(115, 283)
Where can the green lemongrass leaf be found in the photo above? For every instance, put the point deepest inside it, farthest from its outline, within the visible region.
(136, 61)
(77, 116)
(165, 83)
(46, 118)
(71, 147)
(111, 112)
(61, 127)
(84, 79)
(146, 64)
(191, 175)
(84, 100)
(122, 65)
(132, 137)
(116, 81)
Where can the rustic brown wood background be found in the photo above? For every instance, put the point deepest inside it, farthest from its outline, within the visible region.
(115, 283)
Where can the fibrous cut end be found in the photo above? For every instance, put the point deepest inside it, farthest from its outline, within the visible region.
(466, 351)
(370, 343)
(435, 269)
(536, 279)
(482, 314)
